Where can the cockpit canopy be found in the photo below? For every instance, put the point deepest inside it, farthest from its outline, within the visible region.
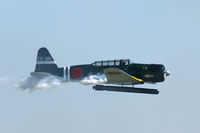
(122, 62)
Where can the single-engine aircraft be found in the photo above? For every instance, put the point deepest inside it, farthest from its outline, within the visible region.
(121, 74)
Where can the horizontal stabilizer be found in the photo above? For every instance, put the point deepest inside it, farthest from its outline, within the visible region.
(40, 74)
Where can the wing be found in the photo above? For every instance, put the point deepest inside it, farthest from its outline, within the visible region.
(117, 76)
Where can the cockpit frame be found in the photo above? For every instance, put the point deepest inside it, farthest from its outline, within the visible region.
(121, 62)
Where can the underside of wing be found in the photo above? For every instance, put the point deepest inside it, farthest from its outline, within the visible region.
(117, 76)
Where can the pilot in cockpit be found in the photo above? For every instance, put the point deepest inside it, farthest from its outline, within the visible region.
(122, 63)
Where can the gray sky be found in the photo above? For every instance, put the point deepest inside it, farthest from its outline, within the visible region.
(78, 32)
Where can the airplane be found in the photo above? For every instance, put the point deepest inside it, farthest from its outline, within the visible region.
(121, 74)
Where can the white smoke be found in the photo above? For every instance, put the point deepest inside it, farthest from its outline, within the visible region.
(94, 79)
(33, 83)
(5, 79)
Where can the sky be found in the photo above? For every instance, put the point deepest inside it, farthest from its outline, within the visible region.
(83, 31)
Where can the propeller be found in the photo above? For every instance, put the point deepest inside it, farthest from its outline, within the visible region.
(167, 73)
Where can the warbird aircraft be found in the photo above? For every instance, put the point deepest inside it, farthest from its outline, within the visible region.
(121, 74)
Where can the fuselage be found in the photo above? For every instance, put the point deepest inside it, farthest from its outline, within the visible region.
(150, 73)
(117, 72)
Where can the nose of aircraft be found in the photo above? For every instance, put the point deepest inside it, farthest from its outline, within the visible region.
(167, 73)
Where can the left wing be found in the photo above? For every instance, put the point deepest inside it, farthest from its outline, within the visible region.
(117, 76)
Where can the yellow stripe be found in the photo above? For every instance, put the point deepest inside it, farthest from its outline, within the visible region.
(137, 79)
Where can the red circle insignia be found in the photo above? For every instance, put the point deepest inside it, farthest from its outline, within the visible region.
(77, 73)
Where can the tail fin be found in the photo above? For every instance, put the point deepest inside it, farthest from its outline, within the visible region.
(45, 62)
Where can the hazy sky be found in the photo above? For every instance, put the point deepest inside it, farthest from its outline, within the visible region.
(82, 31)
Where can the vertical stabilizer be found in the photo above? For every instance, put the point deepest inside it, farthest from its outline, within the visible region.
(46, 64)
(44, 57)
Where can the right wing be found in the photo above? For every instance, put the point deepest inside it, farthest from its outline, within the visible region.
(117, 76)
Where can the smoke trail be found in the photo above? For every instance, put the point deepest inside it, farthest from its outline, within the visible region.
(94, 79)
(33, 83)
(5, 79)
